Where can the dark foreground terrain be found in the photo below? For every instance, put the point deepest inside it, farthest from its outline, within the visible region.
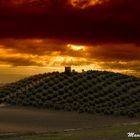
(18, 123)
(94, 92)
(91, 105)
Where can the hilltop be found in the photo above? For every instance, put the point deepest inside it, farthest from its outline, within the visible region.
(100, 92)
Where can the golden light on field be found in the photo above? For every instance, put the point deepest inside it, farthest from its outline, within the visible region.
(76, 47)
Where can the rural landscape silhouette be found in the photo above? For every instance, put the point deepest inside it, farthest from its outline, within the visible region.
(69, 69)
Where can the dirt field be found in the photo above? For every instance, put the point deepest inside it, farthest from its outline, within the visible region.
(28, 120)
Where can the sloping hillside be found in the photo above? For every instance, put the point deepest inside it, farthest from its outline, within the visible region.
(105, 93)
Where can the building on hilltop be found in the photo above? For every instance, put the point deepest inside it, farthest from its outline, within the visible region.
(67, 69)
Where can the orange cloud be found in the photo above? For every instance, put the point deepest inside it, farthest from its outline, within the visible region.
(36, 52)
(46, 53)
(85, 3)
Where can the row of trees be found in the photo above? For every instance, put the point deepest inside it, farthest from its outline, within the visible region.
(92, 91)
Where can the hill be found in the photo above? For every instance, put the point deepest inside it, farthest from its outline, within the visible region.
(104, 93)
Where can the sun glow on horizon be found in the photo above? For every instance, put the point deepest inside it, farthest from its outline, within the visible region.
(76, 47)
(33, 56)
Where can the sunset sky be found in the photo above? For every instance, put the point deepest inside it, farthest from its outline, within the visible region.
(38, 36)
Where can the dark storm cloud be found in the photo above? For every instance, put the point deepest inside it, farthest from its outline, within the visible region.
(39, 47)
(52, 47)
(115, 52)
(19, 61)
(33, 46)
(114, 21)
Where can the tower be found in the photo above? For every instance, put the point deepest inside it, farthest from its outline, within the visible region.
(67, 69)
